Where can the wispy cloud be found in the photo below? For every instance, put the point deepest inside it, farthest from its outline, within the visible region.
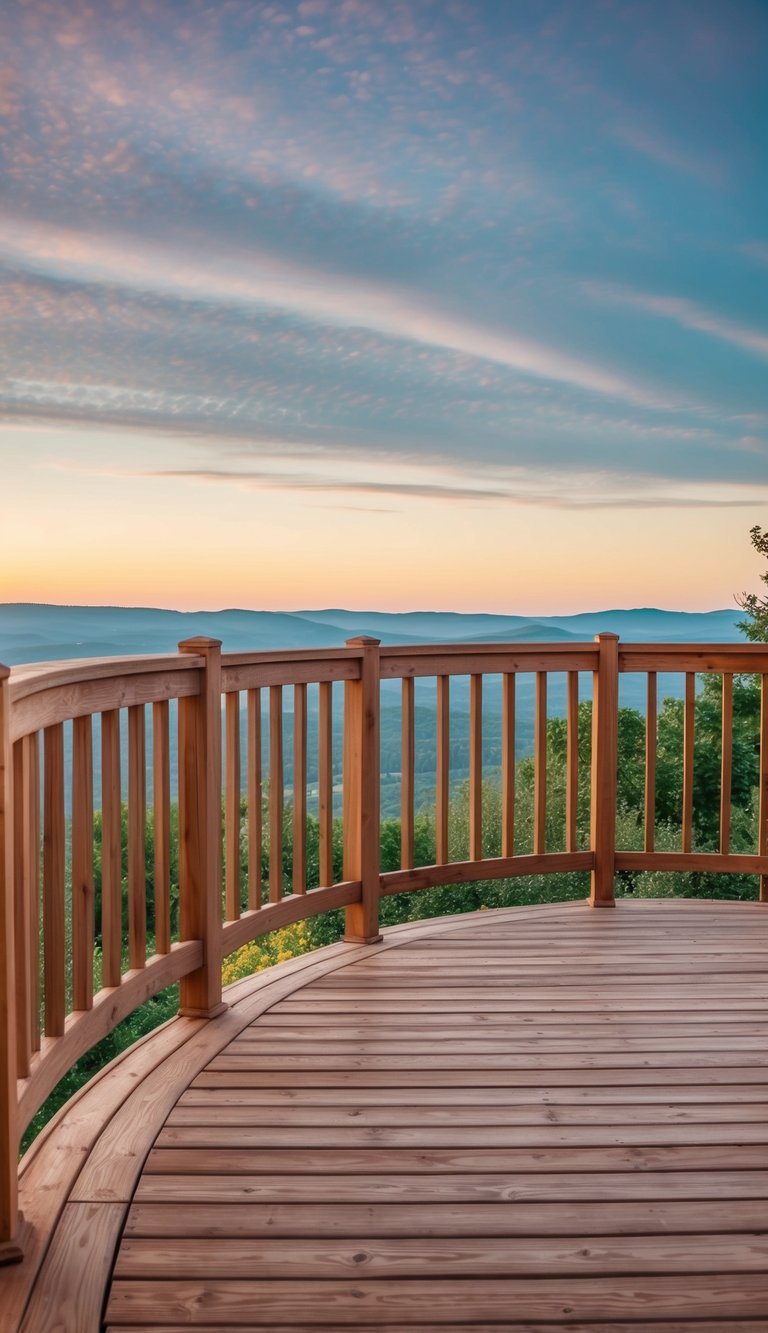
(656, 146)
(688, 314)
(257, 281)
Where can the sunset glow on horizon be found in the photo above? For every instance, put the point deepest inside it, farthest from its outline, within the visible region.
(453, 306)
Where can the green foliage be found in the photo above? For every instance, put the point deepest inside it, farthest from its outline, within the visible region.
(756, 624)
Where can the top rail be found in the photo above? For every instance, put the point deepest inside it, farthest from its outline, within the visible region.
(165, 810)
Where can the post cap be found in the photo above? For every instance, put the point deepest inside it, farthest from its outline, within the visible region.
(362, 641)
(198, 644)
(4, 671)
(606, 636)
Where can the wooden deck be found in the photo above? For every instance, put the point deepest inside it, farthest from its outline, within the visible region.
(537, 1119)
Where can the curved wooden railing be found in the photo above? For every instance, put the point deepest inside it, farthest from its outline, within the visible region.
(111, 720)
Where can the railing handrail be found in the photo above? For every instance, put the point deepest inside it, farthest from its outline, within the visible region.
(41, 697)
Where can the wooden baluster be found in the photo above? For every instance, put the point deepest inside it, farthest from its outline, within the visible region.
(572, 762)
(726, 765)
(688, 742)
(26, 808)
(82, 864)
(22, 955)
(254, 799)
(232, 806)
(10, 1251)
(407, 773)
(508, 764)
(325, 782)
(200, 830)
(111, 851)
(54, 940)
(442, 784)
(650, 763)
(540, 767)
(137, 837)
(32, 873)
(299, 879)
(475, 768)
(161, 813)
(762, 818)
(275, 793)
(361, 793)
(605, 740)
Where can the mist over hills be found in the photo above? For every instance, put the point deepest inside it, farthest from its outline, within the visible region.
(38, 632)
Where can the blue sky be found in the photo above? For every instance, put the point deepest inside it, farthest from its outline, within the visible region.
(469, 268)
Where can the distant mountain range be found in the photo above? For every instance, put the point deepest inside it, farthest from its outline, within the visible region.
(32, 632)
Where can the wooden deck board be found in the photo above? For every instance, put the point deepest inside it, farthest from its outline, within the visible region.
(546, 1118)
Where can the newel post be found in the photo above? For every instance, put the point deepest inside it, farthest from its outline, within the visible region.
(361, 793)
(200, 830)
(605, 752)
(10, 1251)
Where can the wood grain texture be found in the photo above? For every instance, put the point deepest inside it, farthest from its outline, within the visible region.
(255, 796)
(762, 836)
(488, 1116)
(726, 765)
(572, 762)
(275, 793)
(483, 1122)
(54, 852)
(407, 773)
(650, 762)
(111, 850)
(508, 764)
(442, 777)
(82, 864)
(689, 737)
(325, 781)
(299, 876)
(137, 837)
(232, 806)
(161, 811)
(476, 767)
(540, 766)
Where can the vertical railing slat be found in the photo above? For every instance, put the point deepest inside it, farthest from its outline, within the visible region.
(540, 766)
(689, 716)
(605, 739)
(161, 816)
(572, 762)
(82, 864)
(275, 793)
(10, 1251)
(21, 915)
(32, 868)
(508, 724)
(137, 837)
(442, 777)
(200, 831)
(650, 763)
(476, 767)
(325, 781)
(111, 850)
(254, 799)
(299, 876)
(726, 765)
(762, 818)
(362, 782)
(31, 821)
(53, 881)
(232, 806)
(407, 773)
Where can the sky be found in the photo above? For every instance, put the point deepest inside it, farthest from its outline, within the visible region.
(391, 304)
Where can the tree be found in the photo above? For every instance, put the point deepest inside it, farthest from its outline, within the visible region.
(756, 625)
